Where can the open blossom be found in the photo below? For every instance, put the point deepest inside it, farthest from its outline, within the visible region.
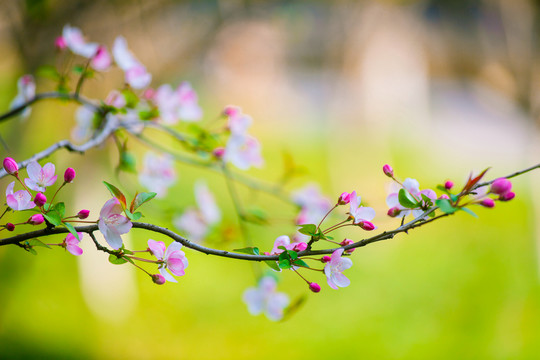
(84, 117)
(334, 270)
(179, 104)
(135, 72)
(265, 298)
(158, 173)
(313, 204)
(243, 152)
(285, 241)
(172, 257)
(71, 243)
(75, 41)
(112, 223)
(359, 213)
(20, 200)
(26, 90)
(40, 177)
(101, 61)
(238, 122)
(197, 221)
(413, 187)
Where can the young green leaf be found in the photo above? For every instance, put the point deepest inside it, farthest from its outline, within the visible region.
(308, 229)
(272, 265)
(300, 262)
(406, 199)
(72, 230)
(445, 206)
(37, 242)
(113, 259)
(140, 199)
(469, 211)
(60, 208)
(53, 217)
(248, 250)
(117, 194)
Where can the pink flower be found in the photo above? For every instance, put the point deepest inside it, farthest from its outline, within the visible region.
(101, 61)
(265, 298)
(501, 186)
(20, 200)
(75, 41)
(158, 173)
(285, 241)
(334, 269)
(135, 73)
(60, 43)
(40, 199)
(344, 198)
(238, 122)
(11, 166)
(84, 117)
(180, 104)
(116, 99)
(413, 187)
(359, 213)
(188, 107)
(243, 152)
(71, 244)
(172, 258)
(26, 90)
(314, 205)
(197, 221)
(112, 224)
(36, 219)
(40, 177)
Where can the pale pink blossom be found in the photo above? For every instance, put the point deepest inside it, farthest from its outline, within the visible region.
(75, 41)
(243, 152)
(413, 187)
(334, 270)
(39, 178)
(158, 173)
(188, 106)
(135, 72)
(20, 200)
(285, 241)
(71, 244)
(101, 61)
(116, 99)
(238, 122)
(112, 223)
(314, 205)
(26, 90)
(179, 104)
(84, 117)
(172, 258)
(265, 298)
(359, 213)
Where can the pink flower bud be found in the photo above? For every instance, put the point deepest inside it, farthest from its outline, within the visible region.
(501, 186)
(60, 43)
(326, 259)
(11, 166)
(489, 203)
(231, 111)
(40, 199)
(158, 279)
(388, 171)
(347, 242)
(36, 219)
(219, 152)
(367, 225)
(444, 197)
(344, 198)
(10, 226)
(314, 287)
(448, 185)
(83, 214)
(69, 175)
(393, 212)
(508, 196)
(300, 246)
(149, 94)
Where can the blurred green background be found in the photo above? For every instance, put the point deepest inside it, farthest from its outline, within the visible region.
(435, 88)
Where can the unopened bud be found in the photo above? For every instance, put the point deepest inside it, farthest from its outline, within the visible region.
(36, 219)
(40, 199)
(344, 198)
(300, 246)
(60, 43)
(393, 212)
(388, 171)
(11, 166)
(508, 196)
(10, 227)
(326, 259)
(314, 287)
(69, 175)
(448, 185)
(489, 203)
(367, 225)
(444, 197)
(347, 242)
(158, 279)
(83, 214)
(219, 152)
(501, 186)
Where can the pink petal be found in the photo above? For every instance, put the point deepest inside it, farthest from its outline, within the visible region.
(166, 275)
(157, 248)
(9, 189)
(340, 280)
(74, 249)
(176, 266)
(173, 247)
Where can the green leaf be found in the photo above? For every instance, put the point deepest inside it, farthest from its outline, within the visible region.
(48, 71)
(272, 265)
(248, 250)
(256, 216)
(293, 254)
(60, 208)
(308, 229)
(72, 230)
(78, 69)
(149, 114)
(113, 259)
(427, 200)
(454, 198)
(301, 263)
(53, 217)
(117, 194)
(37, 242)
(31, 250)
(469, 211)
(140, 199)
(442, 188)
(406, 199)
(128, 162)
(445, 206)
(136, 216)
(284, 264)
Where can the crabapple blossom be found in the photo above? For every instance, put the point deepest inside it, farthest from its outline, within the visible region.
(243, 152)
(413, 187)
(20, 200)
(313, 204)
(11, 166)
(69, 175)
(40, 177)
(84, 117)
(238, 123)
(265, 298)
(135, 73)
(71, 244)
(285, 241)
(26, 90)
(347, 242)
(36, 219)
(448, 185)
(334, 270)
(158, 173)
(60, 43)
(75, 41)
(116, 99)
(112, 223)
(501, 186)
(508, 196)
(172, 258)
(179, 104)
(489, 203)
(40, 199)
(158, 279)
(188, 107)
(344, 198)
(361, 214)
(101, 61)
